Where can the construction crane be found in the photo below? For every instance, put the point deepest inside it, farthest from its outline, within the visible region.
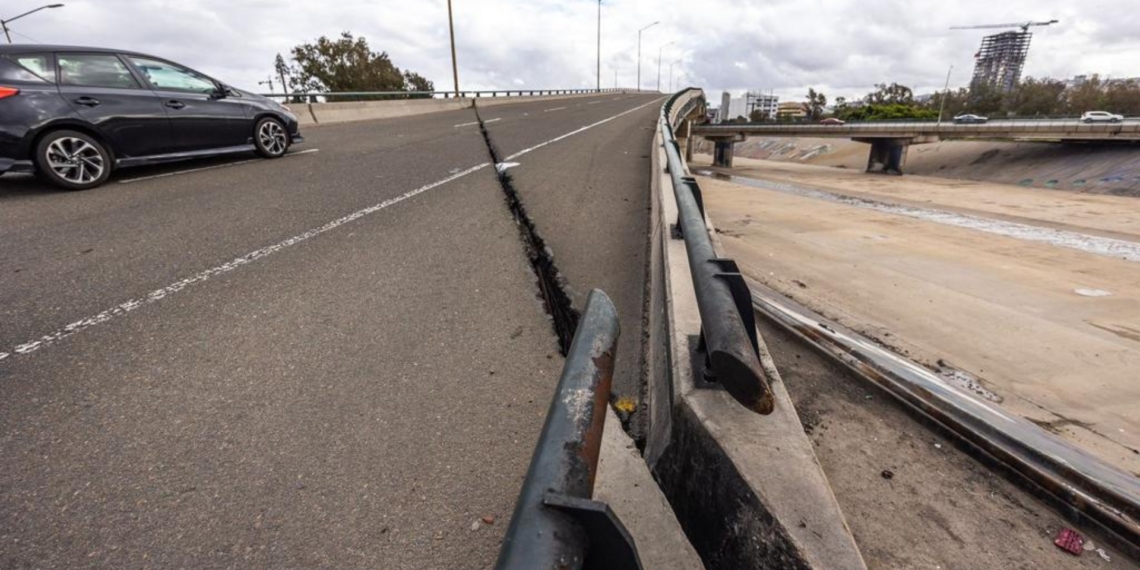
(1023, 25)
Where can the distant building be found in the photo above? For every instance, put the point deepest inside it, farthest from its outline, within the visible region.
(792, 110)
(765, 103)
(733, 107)
(999, 61)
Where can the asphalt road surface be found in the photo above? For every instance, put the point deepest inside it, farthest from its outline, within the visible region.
(333, 360)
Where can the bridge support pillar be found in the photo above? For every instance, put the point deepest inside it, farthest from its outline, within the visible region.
(722, 149)
(887, 155)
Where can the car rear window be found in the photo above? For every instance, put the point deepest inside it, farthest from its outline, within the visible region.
(95, 70)
(33, 67)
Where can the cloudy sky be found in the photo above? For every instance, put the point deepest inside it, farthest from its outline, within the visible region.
(841, 47)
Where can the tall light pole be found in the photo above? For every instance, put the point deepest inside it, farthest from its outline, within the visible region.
(599, 45)
(659, 50)
(945, 92)
(454, 63)
(4, 23)
(671, 74)
(639, 52)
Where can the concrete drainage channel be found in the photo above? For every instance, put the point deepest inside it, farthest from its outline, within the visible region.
(745, 487)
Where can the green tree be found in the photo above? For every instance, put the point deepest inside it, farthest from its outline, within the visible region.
(416, 82)
(1088, 95)
(757, 116)
(1036, 97)
(348, 64)
(816, 101)
(1123, 97)
(890, 95)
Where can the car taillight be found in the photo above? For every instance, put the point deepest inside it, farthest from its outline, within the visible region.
(6, 92)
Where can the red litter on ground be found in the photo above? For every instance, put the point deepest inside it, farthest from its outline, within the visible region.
(1069, 541)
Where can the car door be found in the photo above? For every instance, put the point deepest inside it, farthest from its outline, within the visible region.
(101, 88)
(203, 115)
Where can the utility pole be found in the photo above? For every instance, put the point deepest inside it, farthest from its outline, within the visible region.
(4, 23)
(659, 50)
(945, 92)
(639, 52)
(454, 63)
(599, 45)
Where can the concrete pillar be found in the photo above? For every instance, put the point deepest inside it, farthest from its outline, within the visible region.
(689, 149)
(722, 153)
(887, 156)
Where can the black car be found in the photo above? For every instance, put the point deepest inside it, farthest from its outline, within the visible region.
(74, 114)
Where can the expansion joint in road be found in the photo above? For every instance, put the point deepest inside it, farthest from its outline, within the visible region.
(550, 282)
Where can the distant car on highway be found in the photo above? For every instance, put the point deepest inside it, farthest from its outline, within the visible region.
(970, 118)
(74, 114)
(1101, 117)
(832, 121)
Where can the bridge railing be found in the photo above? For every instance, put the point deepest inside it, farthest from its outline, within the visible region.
(556, 524)
(728, 325)
(340, 96)
(1068, 128)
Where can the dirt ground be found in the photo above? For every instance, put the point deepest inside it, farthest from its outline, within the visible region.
(940, 509)
(1050, 332)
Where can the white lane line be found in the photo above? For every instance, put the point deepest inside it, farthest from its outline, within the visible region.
(477, 122)
(226, 165)
(574, 132)
(159, 294)
(554, 109)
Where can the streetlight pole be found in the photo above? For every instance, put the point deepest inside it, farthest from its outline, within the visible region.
(4, 23)
(454, 63)
(599, 45)
(639, 52)
(945, 92)
(659, 50)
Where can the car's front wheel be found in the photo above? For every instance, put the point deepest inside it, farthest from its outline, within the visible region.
(270, 138)
(72, 160)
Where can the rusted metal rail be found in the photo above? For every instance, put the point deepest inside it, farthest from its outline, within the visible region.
(556, 525)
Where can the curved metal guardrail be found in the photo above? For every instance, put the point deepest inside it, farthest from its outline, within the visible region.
(556, 525)
(728, 324)
(397, 95)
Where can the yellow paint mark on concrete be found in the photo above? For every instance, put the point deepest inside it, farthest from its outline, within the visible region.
(625, 404)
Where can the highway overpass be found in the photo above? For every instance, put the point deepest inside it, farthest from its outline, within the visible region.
(889, 139)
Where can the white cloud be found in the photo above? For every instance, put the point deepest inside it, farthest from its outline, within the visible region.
(841, 47)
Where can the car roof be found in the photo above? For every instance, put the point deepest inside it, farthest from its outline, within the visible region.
(25, 48)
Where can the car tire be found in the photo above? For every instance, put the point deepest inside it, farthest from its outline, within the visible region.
(72, 160)
(270, 138)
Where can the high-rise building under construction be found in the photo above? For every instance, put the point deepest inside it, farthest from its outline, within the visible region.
(999, 62)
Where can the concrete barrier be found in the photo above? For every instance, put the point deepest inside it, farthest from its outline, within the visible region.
(746, 488)
(315, 114)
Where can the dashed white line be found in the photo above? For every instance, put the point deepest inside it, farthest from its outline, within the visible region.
(574, 132)
(204, 168)
(593, 102)
(554, 109)
(159, 294)
(477, 122)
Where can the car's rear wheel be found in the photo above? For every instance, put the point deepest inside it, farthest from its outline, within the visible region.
(270, 138)
(72, 160)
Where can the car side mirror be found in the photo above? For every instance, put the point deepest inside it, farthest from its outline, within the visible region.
(219, 92)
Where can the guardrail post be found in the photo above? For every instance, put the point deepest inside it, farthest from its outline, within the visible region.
(555, 524)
